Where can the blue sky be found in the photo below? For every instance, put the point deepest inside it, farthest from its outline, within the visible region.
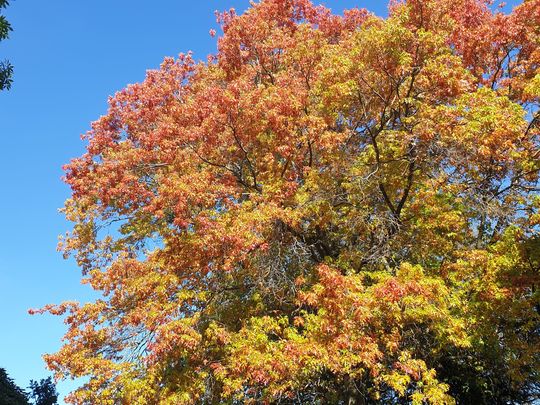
(69, 56)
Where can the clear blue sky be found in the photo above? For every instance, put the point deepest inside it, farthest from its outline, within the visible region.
(69, 56)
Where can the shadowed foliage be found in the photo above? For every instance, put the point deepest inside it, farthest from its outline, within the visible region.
(10, 393)
(6, 69)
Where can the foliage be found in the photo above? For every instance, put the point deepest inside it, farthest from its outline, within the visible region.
(331, 209)
(10, 393)
(43, 392)
(6, 69)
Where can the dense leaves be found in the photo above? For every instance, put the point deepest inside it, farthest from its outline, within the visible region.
(10, 393)
(6, 69)
(332, 209)
(43, 392)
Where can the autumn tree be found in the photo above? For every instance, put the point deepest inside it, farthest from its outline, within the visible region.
(6, 69)
(332, 209)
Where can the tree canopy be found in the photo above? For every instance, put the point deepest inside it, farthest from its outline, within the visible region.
(6, 69)
(331, 209)
(43, 392)
(10, 393)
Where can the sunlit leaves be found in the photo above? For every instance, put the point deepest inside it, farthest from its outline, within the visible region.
(331, 209)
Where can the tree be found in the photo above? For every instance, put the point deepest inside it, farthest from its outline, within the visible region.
(6, 69)
(10, 393)
(332, 209)
(43, 392)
